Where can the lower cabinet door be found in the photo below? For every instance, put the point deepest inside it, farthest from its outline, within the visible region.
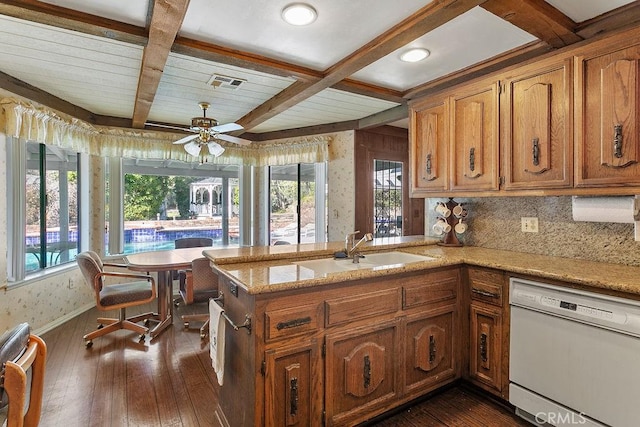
(293, 378)
(361, 373)
(429, 351)
(485, 348)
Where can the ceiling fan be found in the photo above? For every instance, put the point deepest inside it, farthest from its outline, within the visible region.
(207, 131)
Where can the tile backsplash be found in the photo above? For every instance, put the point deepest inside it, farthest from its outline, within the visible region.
(495, 223)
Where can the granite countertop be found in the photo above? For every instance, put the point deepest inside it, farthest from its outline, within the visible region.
(270, 269)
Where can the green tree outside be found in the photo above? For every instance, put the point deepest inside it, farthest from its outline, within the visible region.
(143, 196)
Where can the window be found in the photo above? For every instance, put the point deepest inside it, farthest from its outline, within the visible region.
(387, 198)
(297, 195)
(43, 224)
(162, 203)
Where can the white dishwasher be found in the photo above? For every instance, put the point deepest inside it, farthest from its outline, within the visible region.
(574, 356)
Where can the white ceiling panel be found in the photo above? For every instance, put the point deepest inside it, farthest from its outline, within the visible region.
(581, 10)
(185, 83)
(128, 11)
(95, 73)
(470, 38)
(256, 26)
(328, 106)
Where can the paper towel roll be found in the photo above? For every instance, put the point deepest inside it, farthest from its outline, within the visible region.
(603, 209)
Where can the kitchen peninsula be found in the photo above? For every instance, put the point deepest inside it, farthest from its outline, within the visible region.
(344, 347)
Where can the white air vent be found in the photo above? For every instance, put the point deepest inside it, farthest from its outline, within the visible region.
(225, 82)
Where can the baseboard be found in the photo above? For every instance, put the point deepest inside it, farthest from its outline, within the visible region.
(60, 320)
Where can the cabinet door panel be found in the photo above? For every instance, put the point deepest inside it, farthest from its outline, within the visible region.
(361, 372)
(538, 128)
(607, 104)
(486, 346)
(428, 148)
(292, 386)
(474, 138)
(429, 354)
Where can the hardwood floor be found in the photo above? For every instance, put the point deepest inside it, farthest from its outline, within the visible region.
(169, 382)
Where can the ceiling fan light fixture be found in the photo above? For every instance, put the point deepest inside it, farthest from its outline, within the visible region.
(414, 55)
(299, 14)
(215, 149)
(192, 148)
(198, 123)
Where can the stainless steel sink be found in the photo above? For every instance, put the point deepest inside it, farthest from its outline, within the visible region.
(381, 260)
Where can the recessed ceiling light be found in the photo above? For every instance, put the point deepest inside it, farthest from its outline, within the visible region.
(299, 14)
(414, 55)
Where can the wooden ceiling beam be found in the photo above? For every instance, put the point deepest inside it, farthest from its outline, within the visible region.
(538, 18)
(617, 19)
(56, 16)
(370, 90)
(166, 21)
(432, 16)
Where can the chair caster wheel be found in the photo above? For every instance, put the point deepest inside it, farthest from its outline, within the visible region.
(88, 344)
(146, 322)
(142, 338)
(186, 325)
(203, 336)
(100, 326)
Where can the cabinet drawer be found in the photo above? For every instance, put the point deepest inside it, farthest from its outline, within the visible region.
(430, 289)
(291, 321)
(348, 309)
(486, 286)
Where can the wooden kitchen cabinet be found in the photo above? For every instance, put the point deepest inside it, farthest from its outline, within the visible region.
(361, 372)
(428, 150)
(488, 330)
(474, 137)
(537, 127)
(292, 377)
(607, 112)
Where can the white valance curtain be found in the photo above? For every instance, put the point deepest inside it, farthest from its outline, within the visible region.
(30, 123)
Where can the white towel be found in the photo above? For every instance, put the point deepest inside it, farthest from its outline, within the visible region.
(216, 339)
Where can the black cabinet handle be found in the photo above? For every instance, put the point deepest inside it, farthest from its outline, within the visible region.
(484, 293)
(483, 347)
(293, 404)
(536, 152)
(366, 374)
(617, 141)
(472, 159)
(432, 349)
(429, 164)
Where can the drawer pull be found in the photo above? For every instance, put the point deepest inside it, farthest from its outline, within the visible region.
(483, 347)
(293, 404)
(484, 293)
(293, 323)
(617, 141)
(366, 374)
(432, 349)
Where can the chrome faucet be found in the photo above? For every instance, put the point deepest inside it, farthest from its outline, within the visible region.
(352, 248)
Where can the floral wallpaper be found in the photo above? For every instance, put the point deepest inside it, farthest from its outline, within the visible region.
(341, 181)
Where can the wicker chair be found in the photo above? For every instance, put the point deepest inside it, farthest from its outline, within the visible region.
(116, 296)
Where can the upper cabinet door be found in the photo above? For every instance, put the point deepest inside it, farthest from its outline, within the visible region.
(607, 141)
(428, 148)
(474, 138)
(537, 133)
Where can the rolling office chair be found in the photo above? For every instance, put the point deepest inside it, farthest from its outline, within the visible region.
(116, 296)
(22, 357)
(198, 284)
(189, 242)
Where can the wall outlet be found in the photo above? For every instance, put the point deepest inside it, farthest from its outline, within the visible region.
(529, 224)
(71, 283)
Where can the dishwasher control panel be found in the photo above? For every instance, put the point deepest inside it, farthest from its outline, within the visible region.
(588, 307)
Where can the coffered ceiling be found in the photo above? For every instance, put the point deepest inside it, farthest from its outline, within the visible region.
(127, 63)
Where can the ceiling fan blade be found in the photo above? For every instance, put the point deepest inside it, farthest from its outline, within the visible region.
(186, 139)
(215, 149)
(192, 148)
(229, 127)
(234, 139)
